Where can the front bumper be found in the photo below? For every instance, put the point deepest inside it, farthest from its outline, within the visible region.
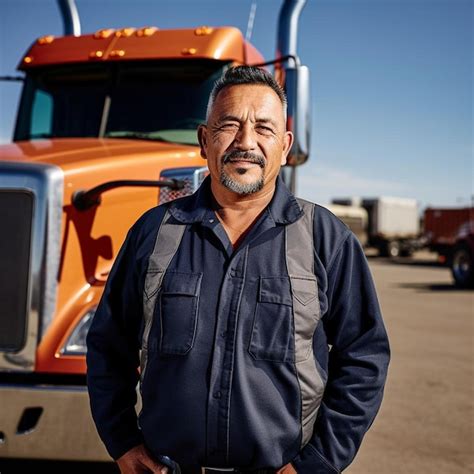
(48, 422)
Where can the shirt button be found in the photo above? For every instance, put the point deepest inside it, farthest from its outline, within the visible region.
(233, 273)
(217, 394)
(224, 334)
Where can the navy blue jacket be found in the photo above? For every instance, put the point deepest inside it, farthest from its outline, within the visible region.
(216, 392)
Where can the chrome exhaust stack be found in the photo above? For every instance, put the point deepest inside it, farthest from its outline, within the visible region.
(70, 16)
(296, 80)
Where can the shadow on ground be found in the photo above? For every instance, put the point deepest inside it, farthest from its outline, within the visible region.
(433, 287)
(416, 263)
(407, 261)
(17, 466)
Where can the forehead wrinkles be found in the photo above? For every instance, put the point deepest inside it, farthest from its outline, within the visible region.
(247, 102)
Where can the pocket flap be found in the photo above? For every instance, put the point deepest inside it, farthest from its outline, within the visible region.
(180, 283)
(275, 290)
(305, 290)
(152, 282)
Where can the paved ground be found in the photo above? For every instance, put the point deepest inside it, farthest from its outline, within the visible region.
(426, 422)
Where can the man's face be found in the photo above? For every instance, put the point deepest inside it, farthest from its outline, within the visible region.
(245, 140)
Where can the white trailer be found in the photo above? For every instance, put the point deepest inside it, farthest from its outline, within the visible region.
(355, 217)
(393, 223)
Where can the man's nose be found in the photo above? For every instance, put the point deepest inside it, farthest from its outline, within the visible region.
(245, 138)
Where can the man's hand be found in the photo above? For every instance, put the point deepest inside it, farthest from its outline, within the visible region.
(288, 469)
(138, 461)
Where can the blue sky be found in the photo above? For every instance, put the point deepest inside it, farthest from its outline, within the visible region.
(391, 79)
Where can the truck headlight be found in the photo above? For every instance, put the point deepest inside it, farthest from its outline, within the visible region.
(76, 343)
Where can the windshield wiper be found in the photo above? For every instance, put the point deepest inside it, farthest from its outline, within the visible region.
(134, 135)
(34, 136)
(183, 136)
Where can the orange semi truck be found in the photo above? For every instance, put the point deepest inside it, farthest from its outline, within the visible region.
(106, 129)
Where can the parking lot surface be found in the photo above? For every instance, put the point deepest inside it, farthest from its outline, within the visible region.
(425, 424)
(426, 421)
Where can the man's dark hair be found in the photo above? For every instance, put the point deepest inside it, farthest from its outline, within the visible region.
(251, 75)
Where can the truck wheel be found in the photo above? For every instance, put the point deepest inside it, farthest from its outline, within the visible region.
(462, 266)
(389, 249)
(393, 248)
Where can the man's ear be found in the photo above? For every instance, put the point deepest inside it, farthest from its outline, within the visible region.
(287, 144)
(202, 137)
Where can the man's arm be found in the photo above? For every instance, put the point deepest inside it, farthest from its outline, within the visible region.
(112, 356)
(357, 368)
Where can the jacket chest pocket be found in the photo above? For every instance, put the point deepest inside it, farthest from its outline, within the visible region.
(178, 310)
(272, 331)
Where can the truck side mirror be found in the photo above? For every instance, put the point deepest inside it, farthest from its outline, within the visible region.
(298, 91)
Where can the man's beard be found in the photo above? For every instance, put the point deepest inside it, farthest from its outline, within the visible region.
(235, 186)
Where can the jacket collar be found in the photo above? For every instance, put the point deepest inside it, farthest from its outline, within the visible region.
(283, 207)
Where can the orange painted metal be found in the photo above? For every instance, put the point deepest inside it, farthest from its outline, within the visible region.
(66, 49)
(91, 239)
(226, 43)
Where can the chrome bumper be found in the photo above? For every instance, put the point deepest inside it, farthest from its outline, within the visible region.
(48, 422)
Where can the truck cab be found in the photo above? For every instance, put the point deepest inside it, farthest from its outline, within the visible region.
(113, 106)
(106, 129)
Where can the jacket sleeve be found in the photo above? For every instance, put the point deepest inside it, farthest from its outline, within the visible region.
(112, 355)
(357, 366)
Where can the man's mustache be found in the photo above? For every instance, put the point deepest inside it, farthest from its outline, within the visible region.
(236, 155)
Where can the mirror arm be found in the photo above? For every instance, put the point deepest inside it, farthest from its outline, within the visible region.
(280, 60)
(12, 78)
(84, 200)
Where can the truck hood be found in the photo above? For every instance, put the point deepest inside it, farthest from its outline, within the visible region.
(68, 152)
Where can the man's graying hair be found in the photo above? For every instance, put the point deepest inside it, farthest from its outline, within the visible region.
(251, 75)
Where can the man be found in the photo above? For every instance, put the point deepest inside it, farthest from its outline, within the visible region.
(262, 345)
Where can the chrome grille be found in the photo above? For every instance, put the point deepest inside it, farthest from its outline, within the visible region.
(31, 198)
(193, 177)
(16, 210)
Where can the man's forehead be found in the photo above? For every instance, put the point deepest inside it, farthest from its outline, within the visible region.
(242, 96)
(244, 89)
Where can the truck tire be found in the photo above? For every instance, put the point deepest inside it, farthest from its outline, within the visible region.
(462, 266)
(386, 248)
(393, 249)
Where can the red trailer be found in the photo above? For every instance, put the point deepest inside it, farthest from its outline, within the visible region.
(450, 233)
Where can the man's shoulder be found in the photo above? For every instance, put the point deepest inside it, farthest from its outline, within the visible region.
(149, 219)
(329, 232)
(153, 217)
(326, 221)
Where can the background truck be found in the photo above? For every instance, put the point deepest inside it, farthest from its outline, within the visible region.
(393, 224)
(450, 233)
(106, 129)
(355, 217)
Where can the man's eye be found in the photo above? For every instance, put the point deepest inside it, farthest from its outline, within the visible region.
(229, 126)
(264, 129)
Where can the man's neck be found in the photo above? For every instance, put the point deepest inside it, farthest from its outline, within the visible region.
(238, 213)
(228, 200)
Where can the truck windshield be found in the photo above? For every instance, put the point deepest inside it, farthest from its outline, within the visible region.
(161, 100)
